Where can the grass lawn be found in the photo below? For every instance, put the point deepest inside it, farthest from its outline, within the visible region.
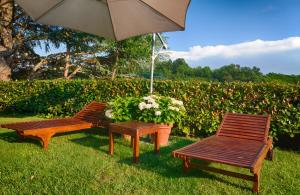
(78, 163)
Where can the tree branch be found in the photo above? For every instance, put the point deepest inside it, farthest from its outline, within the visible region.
(4, 3)
(74, 72)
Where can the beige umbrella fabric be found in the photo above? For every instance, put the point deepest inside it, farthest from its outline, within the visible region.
(113, 19)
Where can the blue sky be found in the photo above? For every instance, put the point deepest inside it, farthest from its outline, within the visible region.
(264, 33)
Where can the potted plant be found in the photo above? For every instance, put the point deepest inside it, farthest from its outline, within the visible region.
(162, 110)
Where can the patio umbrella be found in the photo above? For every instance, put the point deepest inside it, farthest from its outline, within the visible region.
(113, 19)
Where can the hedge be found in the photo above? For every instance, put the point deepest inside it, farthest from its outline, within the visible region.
(206, 102)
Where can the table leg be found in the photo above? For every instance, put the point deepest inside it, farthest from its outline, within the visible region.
(131, 141)
(136, 148)
(156, 143)
(111, 143)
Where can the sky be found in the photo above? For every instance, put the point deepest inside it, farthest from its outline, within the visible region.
(261, 33)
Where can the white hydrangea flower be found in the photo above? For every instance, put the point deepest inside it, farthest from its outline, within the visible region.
(142, 105)
(147, 98)
(150, 100)
(173, 108)
(109, 113)
(157, 113)
(180, 103)
(176, 102)
(148, 106)
(155, 105)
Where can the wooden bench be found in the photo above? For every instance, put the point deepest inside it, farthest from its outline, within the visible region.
(92, 115)
(242, 140)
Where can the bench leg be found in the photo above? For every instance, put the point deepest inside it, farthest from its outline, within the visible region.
(186, 164)
(270, 154)
(111, 143)
(21, 136)
(45, 140)
(256, 182)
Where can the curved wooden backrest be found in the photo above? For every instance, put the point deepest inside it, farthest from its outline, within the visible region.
(245, 126)
(93, 113)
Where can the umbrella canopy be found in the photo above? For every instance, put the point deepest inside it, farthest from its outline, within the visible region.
(114, 19)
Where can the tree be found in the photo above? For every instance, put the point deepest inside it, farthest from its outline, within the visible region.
(125, 56)
(164, 68)
(18, 36)
(6, 38)
(80, 49)
(234, 72)
(271, 77)
(181, 69)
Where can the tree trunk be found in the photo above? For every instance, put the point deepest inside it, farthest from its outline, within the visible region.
(68, 62)
(5, 71)
(114, 73)
(74, 73)
(36, 69)
(115, 66)
(6, 39)
(67, 74)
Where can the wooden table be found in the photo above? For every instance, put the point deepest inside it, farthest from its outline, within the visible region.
(134, 129)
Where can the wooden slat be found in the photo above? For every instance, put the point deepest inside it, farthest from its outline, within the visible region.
(246, 125)
(243, 126)
(231, 151)
(93, 112)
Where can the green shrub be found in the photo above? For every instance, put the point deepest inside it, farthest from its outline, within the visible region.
(205, 102)
(153, 109)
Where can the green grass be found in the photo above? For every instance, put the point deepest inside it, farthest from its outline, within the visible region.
(78, 163)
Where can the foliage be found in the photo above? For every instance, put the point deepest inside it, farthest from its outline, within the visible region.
(205, 102)
(282, 78)
(235, 72)
(125, 56)
(153, 108)
(123, 109)
(179, 69)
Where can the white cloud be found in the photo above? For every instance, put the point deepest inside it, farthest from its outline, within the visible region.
(245, 49)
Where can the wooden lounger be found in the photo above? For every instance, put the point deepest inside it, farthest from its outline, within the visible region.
(242, 140)
(92, 115)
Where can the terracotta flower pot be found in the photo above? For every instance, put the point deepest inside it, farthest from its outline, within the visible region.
(164, 134)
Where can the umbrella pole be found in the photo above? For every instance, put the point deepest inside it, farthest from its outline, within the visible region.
(152, 63)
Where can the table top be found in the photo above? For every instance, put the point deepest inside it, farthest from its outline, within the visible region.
(133, 126)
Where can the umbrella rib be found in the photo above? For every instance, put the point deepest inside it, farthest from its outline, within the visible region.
(49, 10)
(158, 12)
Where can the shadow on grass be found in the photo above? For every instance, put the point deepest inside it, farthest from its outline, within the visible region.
(167, 166)
(12, 137)
(92, 138)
